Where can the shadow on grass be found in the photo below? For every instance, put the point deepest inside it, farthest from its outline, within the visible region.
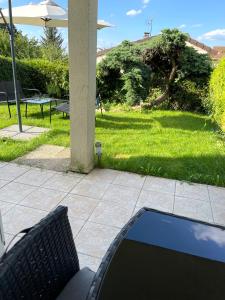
(201, 169)
(186, 122)
(120, 123)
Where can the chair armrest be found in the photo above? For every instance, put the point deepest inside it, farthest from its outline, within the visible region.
(33, 90)
(5, 95)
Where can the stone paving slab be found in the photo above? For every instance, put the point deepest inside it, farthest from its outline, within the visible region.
(100, 203)
(48, 157)
(29, 132)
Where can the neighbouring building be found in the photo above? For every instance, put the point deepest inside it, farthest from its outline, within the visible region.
(216, 53)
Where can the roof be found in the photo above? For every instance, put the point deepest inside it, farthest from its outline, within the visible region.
(215, 53)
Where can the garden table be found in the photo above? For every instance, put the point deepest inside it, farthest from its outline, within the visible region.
(161, 256)
(42, 102)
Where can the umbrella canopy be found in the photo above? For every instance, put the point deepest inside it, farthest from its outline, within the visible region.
(46, 13)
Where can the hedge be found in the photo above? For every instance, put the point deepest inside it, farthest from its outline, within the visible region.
(36, 73)
(217, 93)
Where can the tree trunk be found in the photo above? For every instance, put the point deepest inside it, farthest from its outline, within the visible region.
(165, 95)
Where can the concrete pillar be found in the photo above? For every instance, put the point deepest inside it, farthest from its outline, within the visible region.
(82, 60)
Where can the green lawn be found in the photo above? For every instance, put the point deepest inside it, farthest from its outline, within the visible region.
(170, 144)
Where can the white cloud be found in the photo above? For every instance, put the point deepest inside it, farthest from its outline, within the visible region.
(145, 3)
(214, 35)
(182, 26)
(134, 12)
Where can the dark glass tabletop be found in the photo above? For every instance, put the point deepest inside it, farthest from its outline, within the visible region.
(162, 256)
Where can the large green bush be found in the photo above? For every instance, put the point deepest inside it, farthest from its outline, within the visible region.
(37, 73)
(217, 93)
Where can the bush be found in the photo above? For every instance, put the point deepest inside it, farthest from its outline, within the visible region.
(188, 95)
(217, 94)
(39, 74)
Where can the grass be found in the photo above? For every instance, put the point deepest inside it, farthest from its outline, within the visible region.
(169, 144)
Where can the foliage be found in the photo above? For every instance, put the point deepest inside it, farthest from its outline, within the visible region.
(188, 95)
(52, 44)
(122, 76)
(217, 93)
(24, 46)
(37, 73)
(179, 71)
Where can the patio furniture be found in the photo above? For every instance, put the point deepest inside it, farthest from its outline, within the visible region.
(42, 101)
(162, 256)
(44, 264)
(7, 93)
(65, 107)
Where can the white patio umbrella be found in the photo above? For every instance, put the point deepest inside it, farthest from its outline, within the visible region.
(46, 14)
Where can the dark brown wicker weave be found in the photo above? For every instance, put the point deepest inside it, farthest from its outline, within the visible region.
(42, 262)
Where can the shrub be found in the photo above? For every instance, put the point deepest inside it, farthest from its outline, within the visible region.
(188, 95)
(217, 94)
(38, 74)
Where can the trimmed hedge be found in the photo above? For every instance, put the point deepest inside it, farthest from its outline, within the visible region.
(217, 93)
(37, 73)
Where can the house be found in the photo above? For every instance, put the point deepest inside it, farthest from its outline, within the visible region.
(215, 53)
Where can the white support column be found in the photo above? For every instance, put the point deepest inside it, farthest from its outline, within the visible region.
(82, 59)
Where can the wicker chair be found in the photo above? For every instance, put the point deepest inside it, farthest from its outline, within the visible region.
(44, 264)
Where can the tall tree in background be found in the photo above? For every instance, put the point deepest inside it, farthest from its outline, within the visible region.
(52, 44)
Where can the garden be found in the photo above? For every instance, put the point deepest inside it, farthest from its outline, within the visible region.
(164, 108)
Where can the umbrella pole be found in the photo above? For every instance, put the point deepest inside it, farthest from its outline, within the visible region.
(11, 33)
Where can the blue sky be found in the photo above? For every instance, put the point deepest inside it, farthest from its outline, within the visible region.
(202, 19)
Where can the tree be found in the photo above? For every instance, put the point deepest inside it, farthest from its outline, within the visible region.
(52, 36)
(24, 47)
(52, 44)
(122, 76)
(163, 59)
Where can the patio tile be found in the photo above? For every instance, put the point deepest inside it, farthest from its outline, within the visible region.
(20, 217)
(3, 182)
(89, 188)
(103, 175)
(192, 190)
(5, 207)
(2, 164)
(156, 200)
(15, 128)
(12, 171)
(15, 192)
(35, 176)
(196, 209)
(112, 214)
(218, 213)
(121, 194)
(89, 261)
(130, 180)
(37, 130)
(94, 239)
(80, 207)
(63, 182)
(159, 185)
(217, 195)
(25, 136)
(7, 134)
(76, 225)
(43, 199)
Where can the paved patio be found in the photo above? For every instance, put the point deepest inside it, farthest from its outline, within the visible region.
(29, 132)
(99, 203)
